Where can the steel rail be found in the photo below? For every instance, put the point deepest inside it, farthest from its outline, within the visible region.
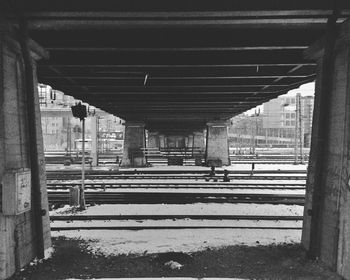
(62, 228)
(104, 186)
(183, 171)
(160, 185)
(165, 217)
(181, 177)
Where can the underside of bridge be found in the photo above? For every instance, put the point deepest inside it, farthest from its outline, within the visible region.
(174, 67)
(169, 63)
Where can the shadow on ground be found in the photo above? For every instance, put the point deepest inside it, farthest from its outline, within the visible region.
(72, 259)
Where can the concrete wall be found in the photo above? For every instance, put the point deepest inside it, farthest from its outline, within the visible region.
(217, 142)
(332, 228)
(18, 237)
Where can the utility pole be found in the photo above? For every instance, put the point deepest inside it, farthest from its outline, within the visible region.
(255, 130)
(79, 111)
(69, 137)
(300, 127)
(82, 191)
(296, 129)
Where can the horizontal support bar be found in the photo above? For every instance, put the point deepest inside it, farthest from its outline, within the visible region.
(150, 77)
(184, 49)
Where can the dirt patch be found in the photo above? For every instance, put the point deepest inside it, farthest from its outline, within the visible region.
(71, 259)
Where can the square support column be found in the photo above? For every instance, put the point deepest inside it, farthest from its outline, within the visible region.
(134, 144)
(24, 220)
(153, 140)
(162, 141)
(326, 228)
(189, 141)
(199, 140)
(217, 144)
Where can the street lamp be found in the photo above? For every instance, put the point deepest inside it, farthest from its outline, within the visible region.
(79, 111)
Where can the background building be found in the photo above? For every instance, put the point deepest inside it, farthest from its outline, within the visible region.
(275, 125)
(62, 132)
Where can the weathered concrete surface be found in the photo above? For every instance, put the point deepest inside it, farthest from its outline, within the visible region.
(134, 142)
(189, 141)
(17, 232)
(199, 140)
(162, 141)
(333, 227)
(217, 143)
(153, 140)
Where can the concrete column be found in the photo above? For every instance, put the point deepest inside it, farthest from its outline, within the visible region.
(326, 228)
(94, 141)
(217, 144)
(199, 140)
(134, 142)
(153, 140)
(162, 141)
(189, 141)
(20, 238)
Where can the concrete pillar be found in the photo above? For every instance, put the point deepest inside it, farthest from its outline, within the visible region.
(217, 144)
(199, 140)
(94, 141)
(153, 140)
(21, 209)
(326, 228)
(162, 141)
(189, 141)
(134, 142)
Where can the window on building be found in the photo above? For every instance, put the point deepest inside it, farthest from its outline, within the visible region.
(292, 123)
(292, 100)
(287, 123)
(293, 115)
(287, 116)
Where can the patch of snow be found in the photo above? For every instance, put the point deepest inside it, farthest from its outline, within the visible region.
(116, 242)
(173, 265)
(194, 209)
(177, 223)
(48, 253)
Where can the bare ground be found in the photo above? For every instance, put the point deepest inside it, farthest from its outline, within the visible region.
(71, 259)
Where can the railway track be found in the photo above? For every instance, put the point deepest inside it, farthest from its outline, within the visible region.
(69, 174)
(172, 217)
(176, 177)
(150, 197)
(80, 222)
(167, 185)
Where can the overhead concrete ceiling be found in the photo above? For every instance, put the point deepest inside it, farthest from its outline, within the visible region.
(176, 63)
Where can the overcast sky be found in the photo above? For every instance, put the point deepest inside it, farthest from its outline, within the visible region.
(305, 90)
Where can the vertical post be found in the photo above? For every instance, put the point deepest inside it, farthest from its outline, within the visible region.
(296, 132)
(300, 127)
(94, 140)
(69, 137)
(206, 143)
(82, 189)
